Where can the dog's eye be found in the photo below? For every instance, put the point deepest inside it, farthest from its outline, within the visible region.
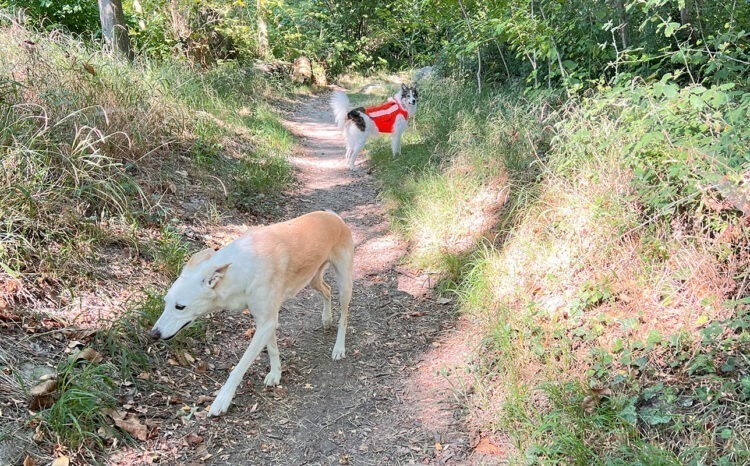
(179, 307)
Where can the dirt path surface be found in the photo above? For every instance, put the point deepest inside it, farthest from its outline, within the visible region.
(387, 402)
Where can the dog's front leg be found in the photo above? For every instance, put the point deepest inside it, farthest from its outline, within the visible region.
(261, 338)
(398, 130)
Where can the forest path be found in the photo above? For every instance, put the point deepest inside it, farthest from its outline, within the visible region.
(391, 401)
(386, 402)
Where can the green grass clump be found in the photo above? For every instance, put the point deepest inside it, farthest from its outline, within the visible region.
(84, 392)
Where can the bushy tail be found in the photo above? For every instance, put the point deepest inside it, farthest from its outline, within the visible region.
(341, 106)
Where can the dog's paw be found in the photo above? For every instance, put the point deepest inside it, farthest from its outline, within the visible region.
(221, 403)
(218, 408)
(338, 353)
(273, 378)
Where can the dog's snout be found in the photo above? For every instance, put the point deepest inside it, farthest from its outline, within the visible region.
(155, 333)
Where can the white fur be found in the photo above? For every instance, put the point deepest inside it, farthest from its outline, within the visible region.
(259, 271)
(355, 139)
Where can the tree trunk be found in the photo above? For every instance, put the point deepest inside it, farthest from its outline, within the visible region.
(686, 20)
(114, 29)
(479, 49)
(264, 49)
(623, 16)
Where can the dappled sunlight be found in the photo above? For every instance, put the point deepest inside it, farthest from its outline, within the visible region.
(452, 215)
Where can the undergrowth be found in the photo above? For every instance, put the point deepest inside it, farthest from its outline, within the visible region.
(607, 269)
(94, 150)
(97, 160)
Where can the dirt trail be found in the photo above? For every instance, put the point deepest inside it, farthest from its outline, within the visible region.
(385, 403)
(388, 402)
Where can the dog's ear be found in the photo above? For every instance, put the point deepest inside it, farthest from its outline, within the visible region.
(403, 87)
(215, 276)
(200, 256)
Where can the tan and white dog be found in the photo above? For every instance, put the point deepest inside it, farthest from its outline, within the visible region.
(259, 271)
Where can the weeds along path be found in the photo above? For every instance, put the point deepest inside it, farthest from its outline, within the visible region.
(386, 403)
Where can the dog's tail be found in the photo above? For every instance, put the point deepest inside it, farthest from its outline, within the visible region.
(340, 105)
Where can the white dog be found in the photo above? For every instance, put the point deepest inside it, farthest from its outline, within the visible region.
(361, 123)
(259, 271)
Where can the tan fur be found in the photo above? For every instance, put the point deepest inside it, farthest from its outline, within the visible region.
(259, 271)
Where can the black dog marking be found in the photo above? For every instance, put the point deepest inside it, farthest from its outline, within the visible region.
(357, 118)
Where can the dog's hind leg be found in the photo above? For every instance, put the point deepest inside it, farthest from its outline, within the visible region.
(355, 142)
(324, 288)
(274, 375)
(343, 265)
(266, 328)
(358, 146)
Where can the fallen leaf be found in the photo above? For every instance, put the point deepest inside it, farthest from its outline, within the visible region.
(250, 333)
(43, 395)
(444, 300)
(29, 461)
(129, 423)
(104, 432)
(74, 344)
(61, 461)
(143, 376)
(202, 451)
(438, 446)
(194, 439)
(201, 367)
(45, 388)
(90, 355)
(589, 403)
(486, 447)
(89, 68)
(184, 358)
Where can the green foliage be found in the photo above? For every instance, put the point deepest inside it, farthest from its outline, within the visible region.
(684, 394)
(76, 16)
(684, 145)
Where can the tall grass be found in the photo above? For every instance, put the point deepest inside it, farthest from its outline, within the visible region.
(97, 160)
(611, 245)
(92, 148)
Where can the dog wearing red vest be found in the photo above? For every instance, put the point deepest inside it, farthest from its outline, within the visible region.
(360, 123)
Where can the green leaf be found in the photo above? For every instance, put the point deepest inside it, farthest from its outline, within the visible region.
(671, 28)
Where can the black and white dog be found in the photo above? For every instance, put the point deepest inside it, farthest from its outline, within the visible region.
(361, 123)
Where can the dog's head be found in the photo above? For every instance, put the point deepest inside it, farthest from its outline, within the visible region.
(409, 95)
(192, 295)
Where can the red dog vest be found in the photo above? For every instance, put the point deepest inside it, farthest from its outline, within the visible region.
(385, 115)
